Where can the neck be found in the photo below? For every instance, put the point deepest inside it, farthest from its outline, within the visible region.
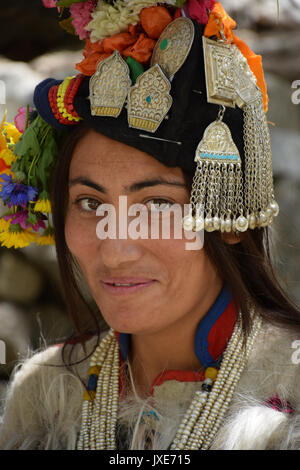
(170, 349)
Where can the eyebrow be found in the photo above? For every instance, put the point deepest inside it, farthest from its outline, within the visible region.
(128, 189)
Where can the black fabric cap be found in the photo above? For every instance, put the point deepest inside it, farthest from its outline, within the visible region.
(188, 117)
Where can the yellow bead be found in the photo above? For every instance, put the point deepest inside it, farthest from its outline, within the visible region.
(211, 373)
(89, 395)
(94, 370)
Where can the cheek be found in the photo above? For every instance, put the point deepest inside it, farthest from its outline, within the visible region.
(191, 270)
(80, 237)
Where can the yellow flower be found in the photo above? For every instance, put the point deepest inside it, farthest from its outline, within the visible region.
(4, 224)
(3, 120)
(3, 143)
(12, 132)
(17, 239)
(46, 240)
(8, 156)
(42, 205)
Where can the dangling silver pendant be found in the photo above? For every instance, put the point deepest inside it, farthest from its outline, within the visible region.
(217, 145)
(188, 221)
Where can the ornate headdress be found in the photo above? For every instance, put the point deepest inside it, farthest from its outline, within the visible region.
(170, 79)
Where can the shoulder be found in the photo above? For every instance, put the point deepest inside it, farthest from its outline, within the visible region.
(48, 364)
(274, 364)
(44, 399)
(265, 409)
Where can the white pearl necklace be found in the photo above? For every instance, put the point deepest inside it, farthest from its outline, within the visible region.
(203, 418)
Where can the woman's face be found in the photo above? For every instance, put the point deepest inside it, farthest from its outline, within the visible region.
(173, 281)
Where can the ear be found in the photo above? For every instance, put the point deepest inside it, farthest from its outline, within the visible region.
(232, 238)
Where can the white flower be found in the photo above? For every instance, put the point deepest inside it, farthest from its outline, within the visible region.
(113, 19)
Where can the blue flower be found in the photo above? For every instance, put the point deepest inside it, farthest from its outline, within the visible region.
(16, 194)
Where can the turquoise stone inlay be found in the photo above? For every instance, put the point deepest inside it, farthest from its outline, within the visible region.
(148, 99)
(216, 156)
(163, 44)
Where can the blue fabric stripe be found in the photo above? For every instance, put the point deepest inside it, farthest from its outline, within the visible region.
(204, 327)
(206, 324)
(124, 339)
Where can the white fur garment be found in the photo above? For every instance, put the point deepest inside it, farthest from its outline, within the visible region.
(43, 404)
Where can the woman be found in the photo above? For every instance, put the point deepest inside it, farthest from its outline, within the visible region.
(201, 348)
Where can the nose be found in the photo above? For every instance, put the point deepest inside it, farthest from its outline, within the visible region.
(117, 248)
(118, 253)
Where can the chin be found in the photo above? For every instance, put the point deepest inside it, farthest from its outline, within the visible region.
(125, 322)
(132, 326)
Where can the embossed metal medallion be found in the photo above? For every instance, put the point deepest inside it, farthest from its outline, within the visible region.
(217, 145)
(173, 46)
(229, 80)
(219, 72)
(247, 91)
(109, 86)
(149, 100)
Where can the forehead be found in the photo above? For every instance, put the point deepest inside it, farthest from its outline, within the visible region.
(99, 156)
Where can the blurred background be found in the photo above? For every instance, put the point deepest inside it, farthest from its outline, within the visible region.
(34, 47)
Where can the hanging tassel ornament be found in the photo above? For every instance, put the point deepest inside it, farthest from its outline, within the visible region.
(259, 190)
(217, 184)
(232, 199)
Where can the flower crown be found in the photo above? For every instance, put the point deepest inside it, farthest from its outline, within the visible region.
(129, 29)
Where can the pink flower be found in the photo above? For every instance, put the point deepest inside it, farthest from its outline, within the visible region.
(20, 118)
(198, 9)
(49, 3)
(21, 218)
(81, 14)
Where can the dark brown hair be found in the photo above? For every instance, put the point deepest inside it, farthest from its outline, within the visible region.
(246, 267)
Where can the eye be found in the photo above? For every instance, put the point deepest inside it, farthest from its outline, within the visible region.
(87, 204)
(159, 204)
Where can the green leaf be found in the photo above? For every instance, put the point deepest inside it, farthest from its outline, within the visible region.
(67, 3)
(67, 25)
(33, 180)
(27, 143)
(179, 3)
(48, 156)
(136, 69)
(32, 218)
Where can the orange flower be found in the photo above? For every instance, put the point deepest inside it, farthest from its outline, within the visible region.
(118, 41)
(93, 53)
(219, 19)
(141, 51)
(154, 20)
(3, 166)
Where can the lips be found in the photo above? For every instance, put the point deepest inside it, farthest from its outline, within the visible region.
(126, 285)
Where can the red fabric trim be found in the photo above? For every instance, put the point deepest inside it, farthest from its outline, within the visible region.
(179, 375)
(221, 331)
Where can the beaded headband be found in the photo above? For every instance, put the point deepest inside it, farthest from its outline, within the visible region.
(172, 80)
